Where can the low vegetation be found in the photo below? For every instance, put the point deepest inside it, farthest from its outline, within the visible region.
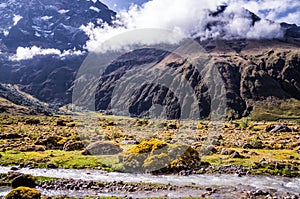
(148, 145)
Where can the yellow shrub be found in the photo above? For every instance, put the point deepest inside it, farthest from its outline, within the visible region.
(23, 193)
(148, 146)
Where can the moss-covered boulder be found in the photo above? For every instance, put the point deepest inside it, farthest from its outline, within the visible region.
(156, 155)
(188, 159)
(102, 148)
(23, 193)
(25, 180)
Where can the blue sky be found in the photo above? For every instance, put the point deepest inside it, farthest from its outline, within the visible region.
(121, 4)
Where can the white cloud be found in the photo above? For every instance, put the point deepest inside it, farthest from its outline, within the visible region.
(25, 53)
(292, 18)
(189, 18)
(269, 31)
(29, 52)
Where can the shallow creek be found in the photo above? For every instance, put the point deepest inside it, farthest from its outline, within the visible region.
(226, 182)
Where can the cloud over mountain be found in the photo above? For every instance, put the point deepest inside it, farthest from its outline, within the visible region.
(189, 18)
(25, 53)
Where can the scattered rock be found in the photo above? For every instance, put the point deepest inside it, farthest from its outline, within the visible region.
(39, 148)
(32, 121)
(126, 142)
(51, 166)
(10, 136)
(212, 149)
(247, 146)
(172, 126)
(253, 153)
(224, 151)
(14, 168)
(102, 148)
(208, 189)
(61, 122)
(236, 155)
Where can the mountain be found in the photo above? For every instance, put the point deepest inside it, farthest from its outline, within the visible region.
(49, 24)
(14, 101)
(261, 69)
(253, 70)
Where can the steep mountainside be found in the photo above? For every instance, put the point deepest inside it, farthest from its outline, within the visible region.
(49, 24)
(14, 101)
(254, 74)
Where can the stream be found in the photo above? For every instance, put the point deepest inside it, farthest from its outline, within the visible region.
(277, 184)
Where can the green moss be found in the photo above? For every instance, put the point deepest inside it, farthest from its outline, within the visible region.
(274, 110)
(63, 159)
(277, 161)
(23, 193)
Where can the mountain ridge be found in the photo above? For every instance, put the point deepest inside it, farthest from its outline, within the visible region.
(57, 24)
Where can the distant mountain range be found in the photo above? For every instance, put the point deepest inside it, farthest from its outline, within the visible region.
(253, 70)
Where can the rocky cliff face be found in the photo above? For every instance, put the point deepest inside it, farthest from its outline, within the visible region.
(254, 74)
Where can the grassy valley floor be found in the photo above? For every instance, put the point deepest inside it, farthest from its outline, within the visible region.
(241, 147)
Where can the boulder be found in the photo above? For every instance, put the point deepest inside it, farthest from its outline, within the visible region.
(23, 193)
(102, 148)
(158, 156)
(278, 128)
(236, 155)
(24, 180)
(39, 148)
(247, 146)
(73, 145)
(224, 151)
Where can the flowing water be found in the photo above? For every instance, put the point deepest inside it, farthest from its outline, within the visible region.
(280, 184)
